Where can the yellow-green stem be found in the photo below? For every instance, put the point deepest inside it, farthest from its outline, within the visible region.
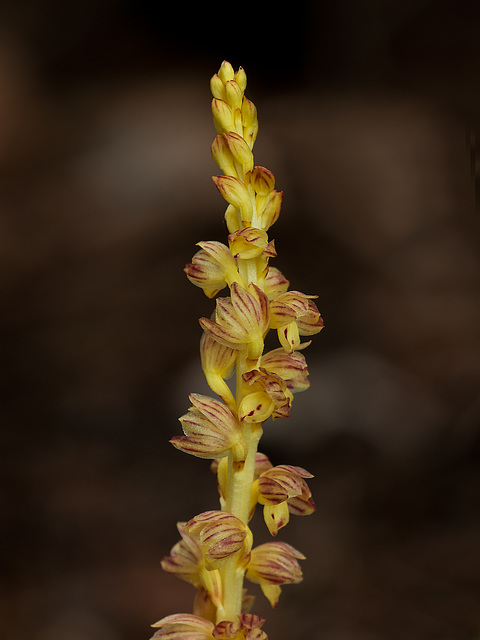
(239, 487)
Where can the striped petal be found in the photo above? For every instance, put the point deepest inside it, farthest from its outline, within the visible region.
(211, 430)
(283, 490)
(240, 321)
(291, 367)
(219, 534)
(274, 563)
(185, 559)
(268, 213)
(236, 194)
(275, 283)
(250, 243)
(184, 626)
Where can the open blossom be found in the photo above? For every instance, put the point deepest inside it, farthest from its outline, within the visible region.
(241, 321)
(186, 626)
(273, 564)
(282, 490)
(212, 268)
(187, 561)
(267, 395)
(211, 430)
(291, 367)
(294, 314)
(220, 535)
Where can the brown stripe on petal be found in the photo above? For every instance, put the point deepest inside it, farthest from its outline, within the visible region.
(222, 334)
(299, 471)
(300, 506)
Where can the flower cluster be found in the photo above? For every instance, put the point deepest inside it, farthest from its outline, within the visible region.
(216, 553)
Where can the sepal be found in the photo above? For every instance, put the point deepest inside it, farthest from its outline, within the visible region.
(291, 367)
(275, 283)
(185, 559)
(183, 626)
(218, 363)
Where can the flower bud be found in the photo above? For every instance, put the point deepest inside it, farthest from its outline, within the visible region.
(236, 194)
(239, 150)
(222, 155)
(249, 121)
(234, 94)
(217, 87)
(226, 72)
(222, 116)
(241, 78)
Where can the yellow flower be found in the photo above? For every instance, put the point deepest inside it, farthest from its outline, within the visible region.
(186, 561)
(220, 535)
(187, 626)
(241, 321)
(274, 564)
(212, 268)
(290, 367)
(294, 314)
(267, 395)
(211, 430)
(282, 490)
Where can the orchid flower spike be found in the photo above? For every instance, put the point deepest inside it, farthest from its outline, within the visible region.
(215, 553)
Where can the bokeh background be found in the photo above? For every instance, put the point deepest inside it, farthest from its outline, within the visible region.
(368, 118)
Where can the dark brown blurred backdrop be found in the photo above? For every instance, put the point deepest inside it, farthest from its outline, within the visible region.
(368, 118)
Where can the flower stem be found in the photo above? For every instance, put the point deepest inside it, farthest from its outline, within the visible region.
(239, 488)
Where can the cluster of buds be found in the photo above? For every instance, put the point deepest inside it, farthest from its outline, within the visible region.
(216, 553)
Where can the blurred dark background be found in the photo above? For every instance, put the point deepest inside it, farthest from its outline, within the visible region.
(368, 118)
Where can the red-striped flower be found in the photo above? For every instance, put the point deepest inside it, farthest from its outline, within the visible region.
(212, 268)
(294, 314)
(220, 535)
(273, 564)
(241, 321)
(267, 395)
(291, 367)
(211, 430)
(282, 490)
